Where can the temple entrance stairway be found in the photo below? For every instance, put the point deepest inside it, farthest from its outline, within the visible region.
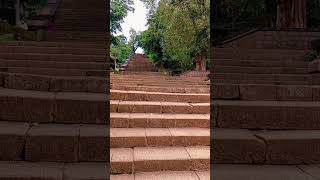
(54, 115)
(159, 127)
(265, 116)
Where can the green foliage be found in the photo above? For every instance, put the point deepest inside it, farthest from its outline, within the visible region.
(179, 30)
(121, 49)
(118, 11)
(313, 13)
(312, 55)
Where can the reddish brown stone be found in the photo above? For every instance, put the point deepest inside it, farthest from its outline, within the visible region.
(258, 92)
(249, 149)
(27, 82)
(81, 108)
(294, 93)
(12, 140)
(58, 143)
(224, 91)
(292, 147)
(93, 143)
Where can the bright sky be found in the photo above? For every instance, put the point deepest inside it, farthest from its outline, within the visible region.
(136, 20)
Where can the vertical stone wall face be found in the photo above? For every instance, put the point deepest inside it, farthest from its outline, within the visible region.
(276, 39)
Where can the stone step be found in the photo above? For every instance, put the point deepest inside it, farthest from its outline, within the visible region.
(54, 142)
(167, 175)
(260, 54)
(53, 57)
(260, 63)
(53, 171)
(188, 89)
(158, 107)
(53, 44)
(54, 83)
(265, 92)
(149, 120)
(267, 172)
(284, 79)
(149, 159)
(266, 114)
(156, 137)
(54, 64)
(56, 71)
(157, 96)
(258, 70)
(61, 107)
(53, 50)
(265, 147)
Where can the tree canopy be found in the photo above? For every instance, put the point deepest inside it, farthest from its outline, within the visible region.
(178, 31)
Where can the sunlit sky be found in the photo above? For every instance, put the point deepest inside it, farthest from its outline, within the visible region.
(136, 20)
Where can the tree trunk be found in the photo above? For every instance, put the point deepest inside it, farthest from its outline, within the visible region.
(291, 14)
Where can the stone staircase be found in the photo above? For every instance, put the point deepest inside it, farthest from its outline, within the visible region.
(139, 63)
(83, 21)
(159, 127)
(265, 110)
(54, 111)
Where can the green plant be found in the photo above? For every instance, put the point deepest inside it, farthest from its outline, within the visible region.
(312, 55)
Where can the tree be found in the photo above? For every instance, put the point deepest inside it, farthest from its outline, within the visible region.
(178, 33)
(118, 11)
(291, 14)
(134, 40)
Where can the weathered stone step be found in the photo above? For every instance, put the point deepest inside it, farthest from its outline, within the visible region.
(201, 90)
(53, 57)
(266, 92)
(260, 54)
(158, 107)
(54, 142)
(164, 175)
(155, 137)
(284, 79)
(54, 83)
(53, 171)
(265, 147)
(267, 172)
(148, 159)
(53, 44)
(56, 71)
(253, 63)
(62, 107)
(258, 70)
(149, 120)
(157, 96)
(52, 50)
(266, 114)
(54, 64)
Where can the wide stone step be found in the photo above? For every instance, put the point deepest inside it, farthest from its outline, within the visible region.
(62, 107)
(149, 159)
(259, 70)
(265, 92)
(157, 96)
(149, 120)
(167, 175)
(53, 171)
(54, 64)
(156, 137)
(56, 71)
(253, 63)
(54, 83)
(158, 107)
(54, 142)
(264, 77)
(53, 57)
(267, 172)
(266, 114)
(52, 50)
(188, 89)
(265, 147)
(53, 44)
